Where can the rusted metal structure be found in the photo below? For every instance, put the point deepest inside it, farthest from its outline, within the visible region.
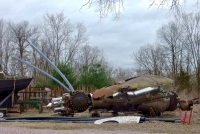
(149, 95)
(185, 109)
(9, 88)
(142, 94)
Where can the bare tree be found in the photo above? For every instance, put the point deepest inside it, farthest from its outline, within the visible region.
(120, 74)
(73, 44)
(191, 25)
(104, 7)
(173, 4)
(62, 37)
(170, 36)
(90, 55)
(19, 34)
(1, 39)
(39, 61)
(56, 31)
(34, 58)
(151, 59)
(7, 50)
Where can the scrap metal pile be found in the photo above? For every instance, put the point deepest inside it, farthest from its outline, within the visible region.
(147, 95)
(134, 95)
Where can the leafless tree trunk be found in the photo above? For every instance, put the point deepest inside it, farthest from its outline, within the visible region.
(34, 57)
(8, 49)
(170, 36)
(73, 44)
(20, 33)
(62, 37)
(191, 25)
(151, 59)
(56, 32)
(1, 40)
(5, 47)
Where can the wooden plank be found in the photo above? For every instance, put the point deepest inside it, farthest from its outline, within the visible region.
(23, 102)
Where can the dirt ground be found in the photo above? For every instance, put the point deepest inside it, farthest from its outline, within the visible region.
(19, 130)
(148, 127)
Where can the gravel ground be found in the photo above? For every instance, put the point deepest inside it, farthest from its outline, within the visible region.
(153, 127)
(19, 130)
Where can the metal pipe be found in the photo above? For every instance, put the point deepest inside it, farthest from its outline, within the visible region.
(49, 119)
(58, 103)
(66, 95)
(58, 109)
(43, 73)
(143, 119)
(59, 72)
(143, 91)
(56, 99)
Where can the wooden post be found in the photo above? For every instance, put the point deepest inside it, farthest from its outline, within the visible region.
(40, 108)
(55, 95)
(29, 93)
(21, 108)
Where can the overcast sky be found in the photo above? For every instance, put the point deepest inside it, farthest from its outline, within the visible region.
(118, 39)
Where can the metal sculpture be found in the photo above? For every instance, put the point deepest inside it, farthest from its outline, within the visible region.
(45, 73)
(143, 94)
(59, 72)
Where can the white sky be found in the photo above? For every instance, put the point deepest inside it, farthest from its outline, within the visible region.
(118, 39)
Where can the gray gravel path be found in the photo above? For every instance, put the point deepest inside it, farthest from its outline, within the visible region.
(20, 130)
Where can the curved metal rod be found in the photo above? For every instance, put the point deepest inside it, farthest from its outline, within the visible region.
(59, 72)
(43, 72)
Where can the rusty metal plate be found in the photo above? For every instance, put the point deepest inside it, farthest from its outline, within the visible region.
(107, 91)
(147, 81)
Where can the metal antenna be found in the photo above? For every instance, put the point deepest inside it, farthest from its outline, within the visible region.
(45, 73)
(59, 72)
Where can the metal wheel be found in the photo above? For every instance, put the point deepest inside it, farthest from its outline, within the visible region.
(79, 101)
(2, 113)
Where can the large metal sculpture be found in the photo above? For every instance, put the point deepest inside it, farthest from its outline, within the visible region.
(143, 94)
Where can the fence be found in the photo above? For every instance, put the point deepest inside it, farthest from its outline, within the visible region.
(40, 93)
(41, 96)
(46, 93)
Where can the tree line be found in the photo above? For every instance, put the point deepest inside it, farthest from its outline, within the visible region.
(62, 42)
(176, 53)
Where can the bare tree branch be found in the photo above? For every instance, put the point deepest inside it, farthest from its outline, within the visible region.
(115, 7)
(104, 7)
